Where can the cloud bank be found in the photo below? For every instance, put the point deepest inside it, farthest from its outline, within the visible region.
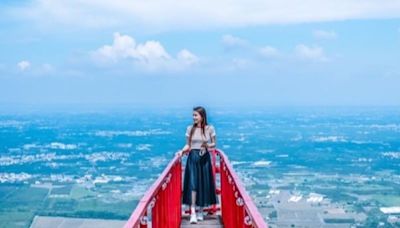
(173, 14)
(150, 55)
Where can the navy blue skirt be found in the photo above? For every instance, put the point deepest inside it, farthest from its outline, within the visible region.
(199, 178)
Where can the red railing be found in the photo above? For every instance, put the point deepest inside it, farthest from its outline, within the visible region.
(163, 199)
(238, 210)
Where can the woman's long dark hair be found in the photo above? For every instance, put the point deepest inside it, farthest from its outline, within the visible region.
(203, 114)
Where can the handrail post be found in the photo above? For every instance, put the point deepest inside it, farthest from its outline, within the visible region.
(215, 170)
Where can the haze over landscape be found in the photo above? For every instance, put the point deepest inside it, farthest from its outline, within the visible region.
(95, 97)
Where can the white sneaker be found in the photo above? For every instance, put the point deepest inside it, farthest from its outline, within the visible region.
(193, 218)
(200, 216)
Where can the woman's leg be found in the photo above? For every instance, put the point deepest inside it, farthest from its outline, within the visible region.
(193, 218)
(193, 198)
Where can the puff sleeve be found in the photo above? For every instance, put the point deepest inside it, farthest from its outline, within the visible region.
(188, 130)
(212, 131)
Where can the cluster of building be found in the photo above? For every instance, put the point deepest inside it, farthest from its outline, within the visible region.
(14, 177)
(48, 157)
(284, 208)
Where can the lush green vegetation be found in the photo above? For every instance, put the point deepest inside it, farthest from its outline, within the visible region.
(20, 203)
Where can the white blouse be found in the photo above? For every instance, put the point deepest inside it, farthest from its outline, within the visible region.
(198, 138)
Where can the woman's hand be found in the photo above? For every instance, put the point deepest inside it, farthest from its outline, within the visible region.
(204, 145)
(179, 153)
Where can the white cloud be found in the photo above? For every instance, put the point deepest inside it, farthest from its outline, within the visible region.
(191, 14)
(268, 51)
(187, 57)
(24, 65)
(151, 54)
(311, 53)
(322, 34)
(35, 69)
(233, 41)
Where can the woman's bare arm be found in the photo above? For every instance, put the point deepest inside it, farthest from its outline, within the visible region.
(213, 142)
(185, 149)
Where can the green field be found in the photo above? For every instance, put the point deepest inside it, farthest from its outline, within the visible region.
(387, 200)
(21, 203)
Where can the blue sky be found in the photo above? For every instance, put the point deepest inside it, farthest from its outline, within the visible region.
(258, 53)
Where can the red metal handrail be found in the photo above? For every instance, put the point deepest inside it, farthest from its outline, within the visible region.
(238, 209)
(164, 198)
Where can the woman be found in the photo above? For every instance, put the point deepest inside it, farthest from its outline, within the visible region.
(198, 183)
